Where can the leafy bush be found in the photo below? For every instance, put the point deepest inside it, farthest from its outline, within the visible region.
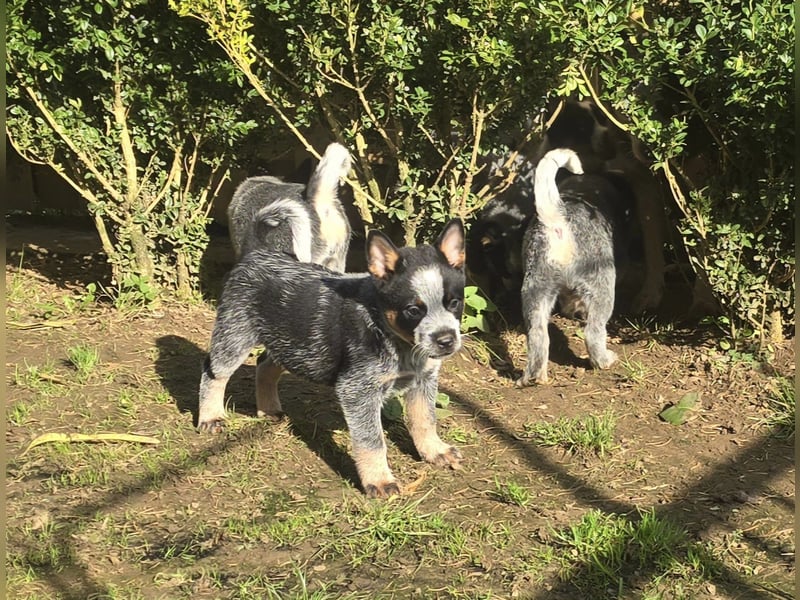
(418, 90)
(704, 83)
(128, 105)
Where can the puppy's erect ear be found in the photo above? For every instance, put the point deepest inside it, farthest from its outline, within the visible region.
(451, 243)
(382, 255)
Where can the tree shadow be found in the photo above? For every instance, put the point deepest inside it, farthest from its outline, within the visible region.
(65, 250)
(774, 456)
(312, 410)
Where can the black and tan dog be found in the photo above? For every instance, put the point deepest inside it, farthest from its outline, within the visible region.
(305, 220)
(367, 335)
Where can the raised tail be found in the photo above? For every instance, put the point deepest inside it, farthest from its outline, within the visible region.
(295, 215)
(324, 183)
(322, 192)
(550, 207)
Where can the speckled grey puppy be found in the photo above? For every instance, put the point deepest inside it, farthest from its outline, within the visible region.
(366, 335)
(571, 249)
(307, 221)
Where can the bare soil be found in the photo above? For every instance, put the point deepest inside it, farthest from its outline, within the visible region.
(138, 521)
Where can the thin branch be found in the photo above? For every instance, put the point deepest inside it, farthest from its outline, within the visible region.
(86, 194)
(226, 175)
(126, 144)
(174, 174)
(114, 193)
(598, 102)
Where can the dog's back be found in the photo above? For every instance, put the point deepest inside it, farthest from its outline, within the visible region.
(307, 221)
(293, 319)
(258, 211)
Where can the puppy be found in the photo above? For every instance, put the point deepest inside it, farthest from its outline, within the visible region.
(366, 335)
(494, 249)
(307, 221)
(571, 249)
(495, 239)
(605, 149)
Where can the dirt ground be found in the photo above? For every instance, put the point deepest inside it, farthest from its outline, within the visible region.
(273, 510)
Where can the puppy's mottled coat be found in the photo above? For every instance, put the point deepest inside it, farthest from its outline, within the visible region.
(366, 335)
(571, 248)
(307, 221)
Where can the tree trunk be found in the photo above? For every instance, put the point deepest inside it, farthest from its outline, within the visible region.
(142, 259)
(183, 281)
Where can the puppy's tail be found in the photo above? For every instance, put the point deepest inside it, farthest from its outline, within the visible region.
(550, 207)
(324, 183)
(295, 215)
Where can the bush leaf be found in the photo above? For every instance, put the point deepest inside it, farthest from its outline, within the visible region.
(676, 414)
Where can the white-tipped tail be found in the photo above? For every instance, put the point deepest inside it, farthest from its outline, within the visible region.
(324, 183)
(549, 206)
(296, 215)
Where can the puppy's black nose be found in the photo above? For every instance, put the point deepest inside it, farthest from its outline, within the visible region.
(445, 341)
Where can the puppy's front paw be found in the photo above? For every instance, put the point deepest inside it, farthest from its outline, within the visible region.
(272, 417)
(605, 361)
(383, 489)
(525, 381)
(450, 457)
(213, 426)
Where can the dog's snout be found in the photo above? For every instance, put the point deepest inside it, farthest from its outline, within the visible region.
(445, 340)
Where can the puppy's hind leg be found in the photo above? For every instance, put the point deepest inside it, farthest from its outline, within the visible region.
(598, 311)
(228, 351)
(268, 403)
(420, 402)
(536, 309)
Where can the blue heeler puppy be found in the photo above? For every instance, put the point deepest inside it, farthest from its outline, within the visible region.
(307, 221)
(571, 249)
(367, 335)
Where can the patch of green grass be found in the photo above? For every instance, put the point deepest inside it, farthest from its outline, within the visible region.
(295, 586)
(18, 413)
(780, 401)
(649, 327)
(460, 435)
(602, 550)
(377, 530)
(39, 549)
(511, 492)
(40, 379)
(85, 465)
(361, 531)
(289, 529)
(128, 402)
(587, 434)
(17, 288)
(634, 371)
(85, 359)
(498, 534)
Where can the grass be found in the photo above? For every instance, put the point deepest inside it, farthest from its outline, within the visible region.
(269, 511)
(634, 371)
(40, 379)
(650, 328)
(601, 551)
(780, 402)
(511, 492)
(85, 359)
(381, 529)
(589, 434)
(359, 531)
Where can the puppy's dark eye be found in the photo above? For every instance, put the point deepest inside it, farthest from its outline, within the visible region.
(413, 311)
(454, 305)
